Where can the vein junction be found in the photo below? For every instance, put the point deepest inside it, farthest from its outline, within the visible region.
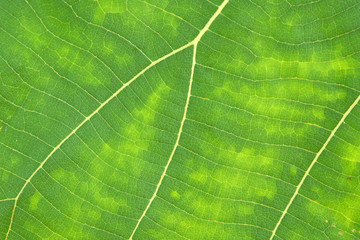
(193, 43)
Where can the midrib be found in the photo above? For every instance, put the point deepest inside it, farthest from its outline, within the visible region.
(193, 43)
(87, 119)
(352, 106)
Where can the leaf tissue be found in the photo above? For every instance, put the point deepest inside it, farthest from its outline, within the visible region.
(180, 119)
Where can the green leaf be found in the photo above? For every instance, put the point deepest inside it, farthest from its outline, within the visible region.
(191, 119)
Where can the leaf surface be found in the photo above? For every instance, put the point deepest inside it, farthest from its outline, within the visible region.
(186, 119)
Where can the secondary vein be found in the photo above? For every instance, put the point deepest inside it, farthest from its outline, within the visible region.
(195, 43)
(313, 163)
(174, 149)
(192, 43)
(87, 119)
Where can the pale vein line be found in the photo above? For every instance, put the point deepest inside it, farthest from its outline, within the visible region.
(89, 117)
(313, 163)
(7, 199)
(194, 43)
(174, 149)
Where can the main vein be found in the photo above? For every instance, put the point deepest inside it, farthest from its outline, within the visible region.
(87, 119)
(174, 149)
(195, 43)
(313, 163)
(192, 43)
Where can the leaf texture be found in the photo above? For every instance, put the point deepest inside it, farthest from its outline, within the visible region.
(191, 119)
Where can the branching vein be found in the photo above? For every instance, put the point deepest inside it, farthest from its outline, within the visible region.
(192, 43)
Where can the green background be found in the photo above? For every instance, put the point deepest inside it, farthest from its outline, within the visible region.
(270, 144)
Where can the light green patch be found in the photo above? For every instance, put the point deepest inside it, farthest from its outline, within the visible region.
(106, 150)
(112, 6)
(69, 177)
(31, 25)
(341, 64)
(34, 200)
(174, 25)
(229, 178)
(83, 188)
(271, 130)
(246, 151)
(97, 168)
(349, 167)
(265, 188)
(319, 114)
(110, 203)
(201, 175)
(265, 161)
(58, 174)
(145, 114)
(346, 206)
(133, 130)
(175, 194)
(98, 16)
(4, 175)
(316, 189)
(94, 214)
(148, 112)
(352, 153)
(15, 160)
(293, 170)
(330, 96)
(64, 50)
(161, 91)
(129, 148)
(76, 209)
(247, 210)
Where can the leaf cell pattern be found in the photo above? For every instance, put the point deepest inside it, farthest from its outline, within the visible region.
(192, 119)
